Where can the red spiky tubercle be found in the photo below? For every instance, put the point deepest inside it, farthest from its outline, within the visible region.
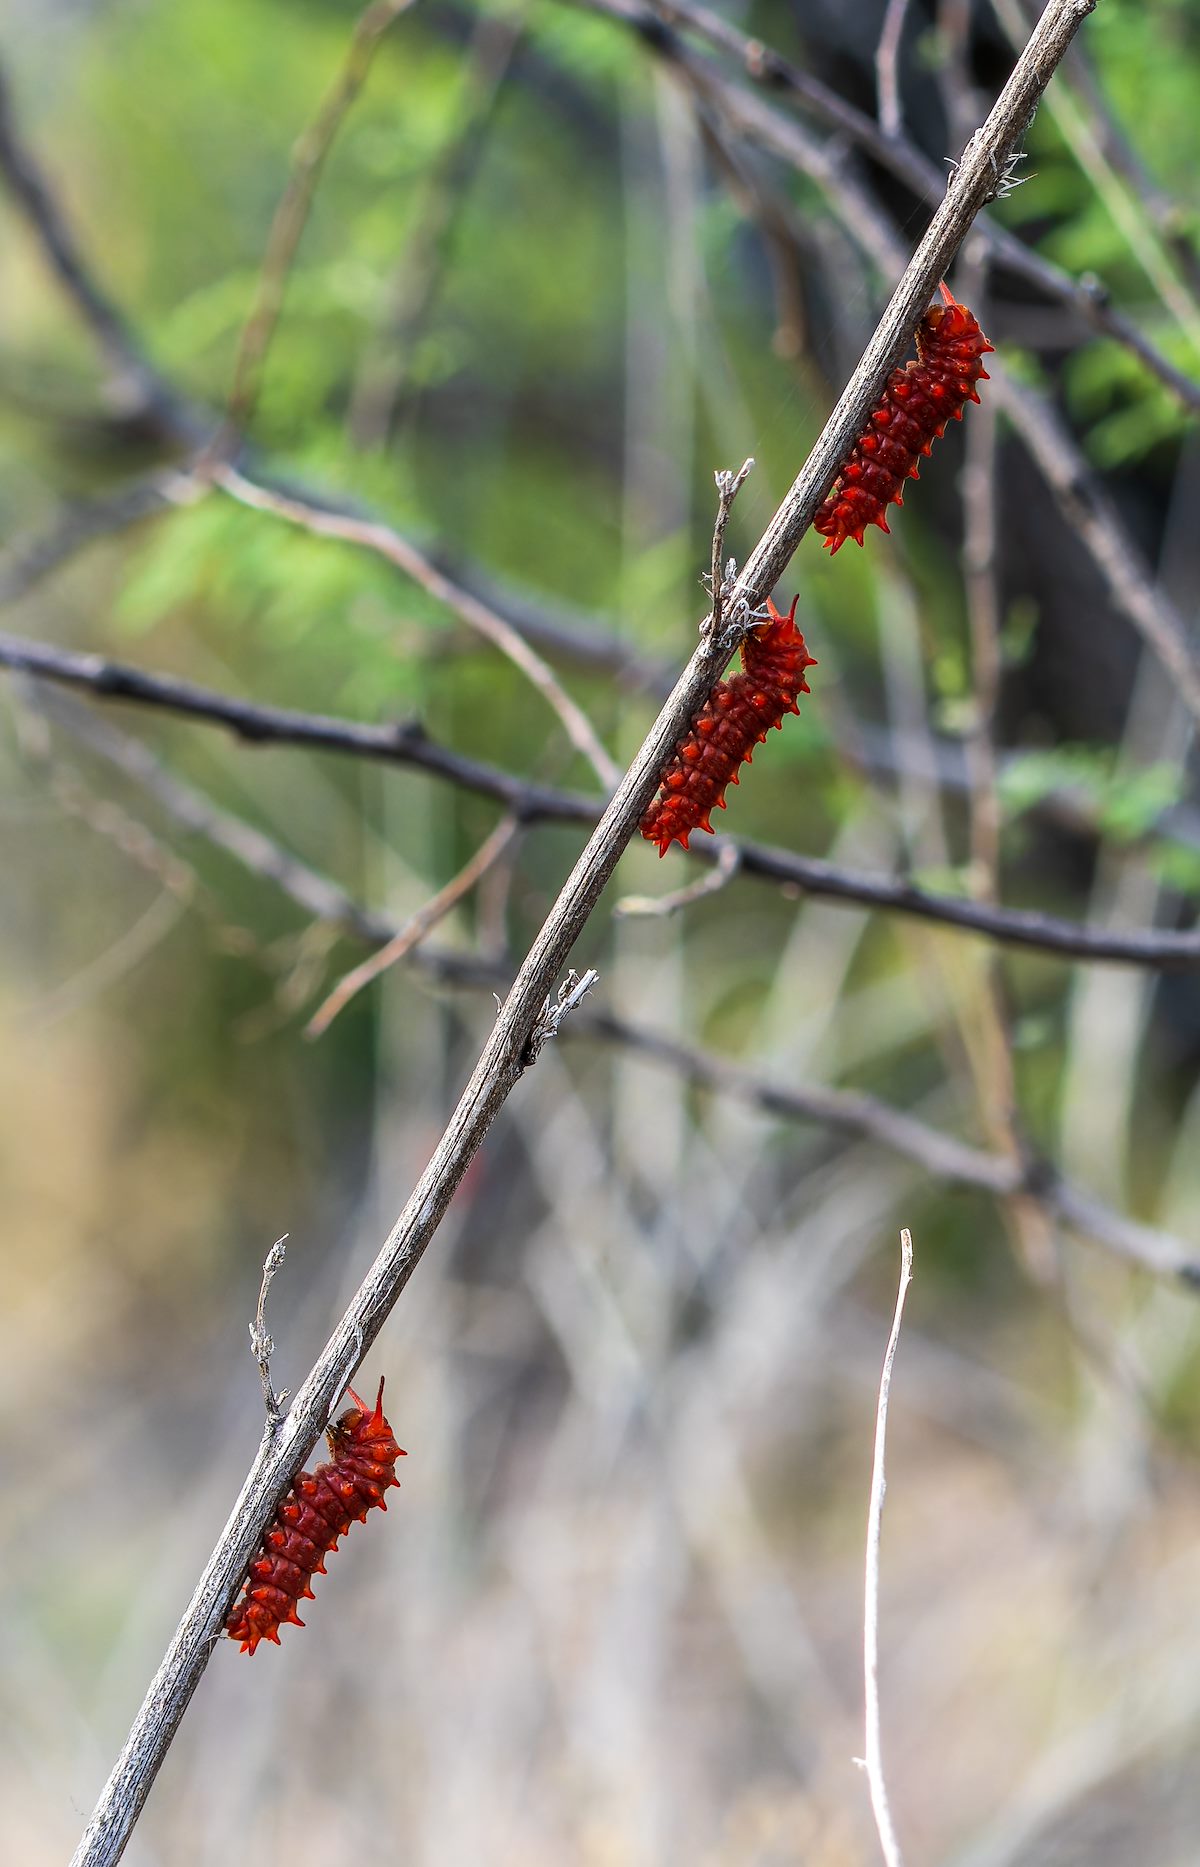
(736, 717)
(911, 415)
(317, 1511)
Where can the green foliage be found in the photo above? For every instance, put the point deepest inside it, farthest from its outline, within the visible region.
(1127, 804)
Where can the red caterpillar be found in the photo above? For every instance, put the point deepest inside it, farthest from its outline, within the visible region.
(916, 405)
(736, 717)
(319, 1508)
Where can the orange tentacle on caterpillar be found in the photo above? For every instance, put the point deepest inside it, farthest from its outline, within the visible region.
(736, 717)
(910, 416)
(317, 1511)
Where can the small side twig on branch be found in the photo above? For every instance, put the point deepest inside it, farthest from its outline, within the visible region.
(720, 575)
(261, 1343)
(873, 1761)
(571, 994)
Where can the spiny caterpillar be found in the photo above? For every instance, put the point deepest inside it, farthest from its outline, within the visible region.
(736, 717)
(912, 414)
(319, 1508)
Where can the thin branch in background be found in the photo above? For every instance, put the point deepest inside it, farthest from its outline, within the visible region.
(79, 522)
(136, 389)
(1124, 206)
(1172, 218)
(261, 1345)
(386, 542)
(318, 896)
(887, 59)
(417, 279)
(415, 929)
(653, 907)
(327, 905)
(1087, 297)
(291, 216)
(873, 1761)
(406, 743)
(398, 742)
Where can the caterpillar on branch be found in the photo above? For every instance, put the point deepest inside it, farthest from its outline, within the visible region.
(911, 415)
(319, 1508)
(736, 717)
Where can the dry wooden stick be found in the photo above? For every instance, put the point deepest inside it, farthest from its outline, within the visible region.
(414, 930)
(374, 535)
(873, 1761)
(522, 1017)
(291, 215)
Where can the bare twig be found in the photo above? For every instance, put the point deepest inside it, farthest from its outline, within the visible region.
(873, 1761)
(315, 893)
(887, 57)
(415, 929)
(720, 576)
(291, 215)
(261, 1345)
(645, 907)
(385, 542)
(24, 564)
(136, 388)
(418, 276)
(941, 1155)
(507, 1051)
(571, 994)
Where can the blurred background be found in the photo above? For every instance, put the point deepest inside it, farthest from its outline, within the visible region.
(559, 264)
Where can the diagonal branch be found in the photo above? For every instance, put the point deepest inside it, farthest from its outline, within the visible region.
(504, 1056)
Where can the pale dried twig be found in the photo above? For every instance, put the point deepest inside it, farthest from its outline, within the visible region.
(261, 1344)
(386, 542)
(647, 907)
(415, 929)
(887, 57)
(721, 575)
(571, 994)
(291, 215)
(873, 1761)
